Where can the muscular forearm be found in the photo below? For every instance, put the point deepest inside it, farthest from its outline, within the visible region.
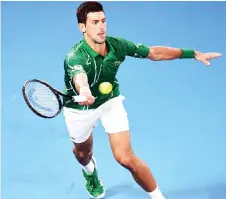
(81, 81)
(158, 53)
(82, 87)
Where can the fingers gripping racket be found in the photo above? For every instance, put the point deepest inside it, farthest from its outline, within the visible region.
(44, 100)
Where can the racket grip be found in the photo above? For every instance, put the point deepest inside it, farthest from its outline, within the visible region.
(79, 98)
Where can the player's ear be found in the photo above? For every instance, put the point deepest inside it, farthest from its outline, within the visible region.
(82, 27)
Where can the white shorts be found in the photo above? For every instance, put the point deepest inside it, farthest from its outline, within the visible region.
(112, 114)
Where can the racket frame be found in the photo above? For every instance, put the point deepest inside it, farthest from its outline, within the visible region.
(55, 92)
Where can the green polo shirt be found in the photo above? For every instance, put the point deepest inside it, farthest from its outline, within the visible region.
(83, 59)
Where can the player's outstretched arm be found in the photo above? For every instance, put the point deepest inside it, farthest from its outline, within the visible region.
(159, 53)
(82, 87)
(73, 65)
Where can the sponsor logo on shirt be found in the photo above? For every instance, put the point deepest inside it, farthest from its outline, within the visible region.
(117, 63)
(77, 67)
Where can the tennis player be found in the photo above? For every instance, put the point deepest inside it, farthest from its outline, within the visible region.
(94, 60)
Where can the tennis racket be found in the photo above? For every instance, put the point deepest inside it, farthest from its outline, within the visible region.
(44, 100)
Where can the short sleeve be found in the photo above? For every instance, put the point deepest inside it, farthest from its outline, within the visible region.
(133, 49)
(74, 65)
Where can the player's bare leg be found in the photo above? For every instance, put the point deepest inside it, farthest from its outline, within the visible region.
(122, 150)
(84, 155)
(83, 151)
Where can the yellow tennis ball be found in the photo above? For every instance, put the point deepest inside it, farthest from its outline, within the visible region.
(105, 87)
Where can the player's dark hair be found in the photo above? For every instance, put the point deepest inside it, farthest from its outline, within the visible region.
(85, 8)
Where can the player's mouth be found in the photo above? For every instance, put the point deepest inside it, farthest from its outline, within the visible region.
(101, 34)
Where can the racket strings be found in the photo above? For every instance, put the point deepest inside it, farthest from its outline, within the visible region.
(42, 99)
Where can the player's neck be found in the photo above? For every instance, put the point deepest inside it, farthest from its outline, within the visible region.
(98, 48)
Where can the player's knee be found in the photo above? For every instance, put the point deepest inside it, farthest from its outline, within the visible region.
(82, 156)
(125, 159)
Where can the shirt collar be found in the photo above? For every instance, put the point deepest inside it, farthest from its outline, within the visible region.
(94, 53)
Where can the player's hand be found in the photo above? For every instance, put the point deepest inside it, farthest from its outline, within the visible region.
(205, 57)
(85, 92)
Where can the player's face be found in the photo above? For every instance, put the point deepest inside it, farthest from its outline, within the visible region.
(95, 27)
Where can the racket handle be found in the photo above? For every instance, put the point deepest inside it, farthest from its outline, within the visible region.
(79, 98)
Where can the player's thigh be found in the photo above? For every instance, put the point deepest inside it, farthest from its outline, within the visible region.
(114, 117)
(80, 124)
